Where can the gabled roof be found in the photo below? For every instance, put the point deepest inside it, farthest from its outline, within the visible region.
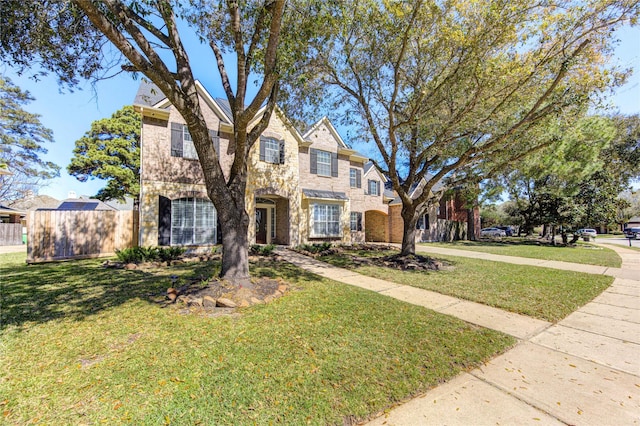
(150, 97)
(368, 166)
(148, 94)
(36, 202)
(10, 211)
(325, 120)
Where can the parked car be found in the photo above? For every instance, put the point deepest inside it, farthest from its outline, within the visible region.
(492, 232)
(587, 232)
(632, 233)
(507, 230)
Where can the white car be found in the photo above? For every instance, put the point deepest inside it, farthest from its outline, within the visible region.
(587, 232)
(493, 232)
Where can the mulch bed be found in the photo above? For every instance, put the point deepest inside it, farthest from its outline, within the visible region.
(403, 263)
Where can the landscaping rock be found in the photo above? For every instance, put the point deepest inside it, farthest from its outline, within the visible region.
(282, 288)
(130, 266)
(195, 302)
(223, 302)
(255, 301)
(209, 302)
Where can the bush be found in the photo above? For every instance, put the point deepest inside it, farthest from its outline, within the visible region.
(149, 254)
(130, 255)
(170, 253)
(316, 247)
(261, 250)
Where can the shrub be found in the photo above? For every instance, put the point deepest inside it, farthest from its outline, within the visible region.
(149, 254)
(261, 250)
(170, 253)
(129, 255)
(316, 247)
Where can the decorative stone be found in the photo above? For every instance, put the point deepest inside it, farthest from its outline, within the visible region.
(244, 304)
(282, 288)
(255, 301)
(195, 301)
(209, 302)
(172, 296)
(130, 266)
(223, 302)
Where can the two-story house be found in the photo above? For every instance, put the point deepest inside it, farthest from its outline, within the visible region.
(300, 188)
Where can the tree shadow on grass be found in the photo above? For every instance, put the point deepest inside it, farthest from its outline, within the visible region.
(76, 289)
(72, 290)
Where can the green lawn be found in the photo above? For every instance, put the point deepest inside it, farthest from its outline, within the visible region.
(537, 292)
(81, 344)
(582, 253)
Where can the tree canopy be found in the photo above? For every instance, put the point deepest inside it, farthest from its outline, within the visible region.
(86, 38)
(450, 91)
(22, 142)
(110, 150)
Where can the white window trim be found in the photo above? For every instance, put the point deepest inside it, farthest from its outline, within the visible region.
(320, 163)
(312, 227)
(188, 148)
(271, 153)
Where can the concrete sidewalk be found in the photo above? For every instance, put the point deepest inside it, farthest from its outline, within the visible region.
(583, 370)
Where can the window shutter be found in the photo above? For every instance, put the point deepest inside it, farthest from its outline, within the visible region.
(216, 141)
(313, 154)
(369, 187)
(164, 221)
(262, 149)
(359, 222)
(334, 164)
(358, 178)
(379, 188)
(281, 151)
(176, 139)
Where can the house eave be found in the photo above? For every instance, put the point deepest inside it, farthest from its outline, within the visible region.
(152, 112)
(358, 158)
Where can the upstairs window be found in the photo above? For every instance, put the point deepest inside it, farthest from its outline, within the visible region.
(323, 163)
(374, 187)
(355, 178)
(182, 143)
(271, 150)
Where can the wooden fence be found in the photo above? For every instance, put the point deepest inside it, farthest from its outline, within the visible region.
(10, 234)
(70, 234)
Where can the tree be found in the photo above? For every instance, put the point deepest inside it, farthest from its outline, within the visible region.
(450, 91)
(576, 182)
(70, 39)
(22, 137)
(111, 151)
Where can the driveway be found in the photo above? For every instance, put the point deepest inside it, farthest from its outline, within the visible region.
(618, 241)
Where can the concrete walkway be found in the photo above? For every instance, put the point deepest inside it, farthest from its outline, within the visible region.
(583, 370)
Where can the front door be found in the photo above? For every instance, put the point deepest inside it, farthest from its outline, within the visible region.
(261, 226)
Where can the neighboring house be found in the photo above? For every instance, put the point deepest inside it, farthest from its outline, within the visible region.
(82, 204)
(634, 222)
(10, 226)
(300, 188)
(34, 202)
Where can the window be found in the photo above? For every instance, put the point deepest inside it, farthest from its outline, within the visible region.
(356, 221)
(193, 222)
(182, 143)
(323, 163)
(374, 187)
(423, 222)
(355, 178)
(271, 150)
(326, 220)
(188, 148)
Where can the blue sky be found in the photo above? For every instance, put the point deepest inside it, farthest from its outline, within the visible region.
(69, 115)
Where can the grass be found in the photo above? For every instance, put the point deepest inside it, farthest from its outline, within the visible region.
(582, 253)
(81, 344)
(537, 292)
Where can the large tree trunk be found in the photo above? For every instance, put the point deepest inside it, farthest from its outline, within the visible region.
(234, 225)
(410, 218)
